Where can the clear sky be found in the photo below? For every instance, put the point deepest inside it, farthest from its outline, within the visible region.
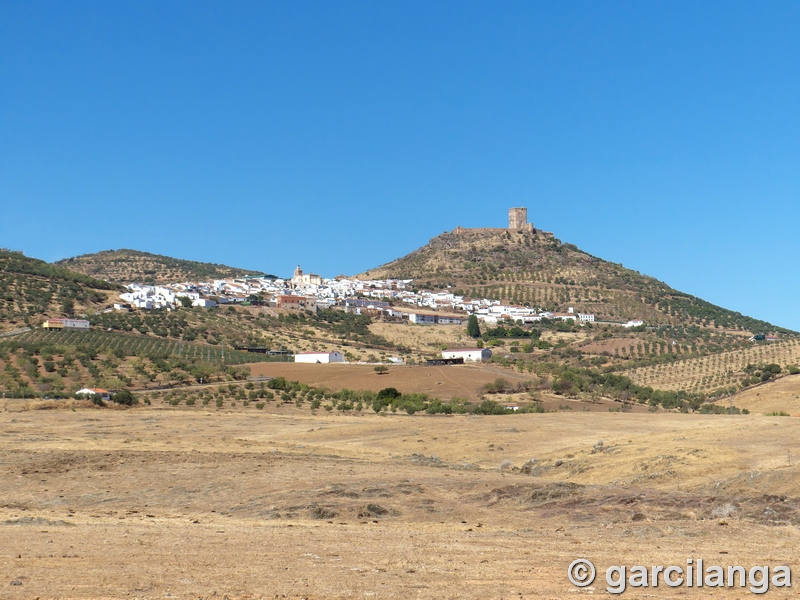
(341, 135)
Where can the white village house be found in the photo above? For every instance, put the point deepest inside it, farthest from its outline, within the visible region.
(104, 394)
(319, 357)
(469, 354)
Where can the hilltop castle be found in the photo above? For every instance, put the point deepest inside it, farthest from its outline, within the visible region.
(517, 221)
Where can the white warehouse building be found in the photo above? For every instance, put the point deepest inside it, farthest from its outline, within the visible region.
(469, 354)
(319, 357)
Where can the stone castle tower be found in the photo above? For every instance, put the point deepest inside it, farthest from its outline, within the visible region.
(518, 219)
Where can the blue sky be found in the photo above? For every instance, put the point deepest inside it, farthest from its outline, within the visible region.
(341, 135)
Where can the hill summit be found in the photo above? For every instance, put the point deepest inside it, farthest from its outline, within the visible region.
(523, 265)
(32, 290)
(129, 266)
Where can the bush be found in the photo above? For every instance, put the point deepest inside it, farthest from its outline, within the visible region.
(389, 393)
(260, 405)
(124, 397)
(490, 407)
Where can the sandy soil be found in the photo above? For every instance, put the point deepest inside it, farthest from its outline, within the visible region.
(156, 502)
(443, 382)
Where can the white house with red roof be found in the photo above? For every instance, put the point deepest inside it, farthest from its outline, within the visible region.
(105, 394)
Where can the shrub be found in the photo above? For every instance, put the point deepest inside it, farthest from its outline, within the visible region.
(389, 393)
(124, 397)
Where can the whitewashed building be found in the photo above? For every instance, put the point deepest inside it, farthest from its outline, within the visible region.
(633, 323)
(319, 357)
(469, 354)
(204, 303)
(104, 394)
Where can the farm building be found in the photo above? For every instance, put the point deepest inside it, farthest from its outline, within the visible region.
(66, 324)
(469, 354)
(104, 394)
(319, 357)
(434, 362)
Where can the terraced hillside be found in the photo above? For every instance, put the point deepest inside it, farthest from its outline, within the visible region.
(715, 371)
(61, 362)
(540, 270)
(32, 290)
(128, 266)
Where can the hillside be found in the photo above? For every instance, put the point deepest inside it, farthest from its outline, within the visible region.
(128, 266)
(57, 363)
(537, 269)
(32, 290)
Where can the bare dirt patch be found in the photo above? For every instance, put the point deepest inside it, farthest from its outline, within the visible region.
(152, 502)
(444, 382)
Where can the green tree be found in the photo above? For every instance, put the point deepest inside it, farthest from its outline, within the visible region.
(381, 369)
(185, 301)
(124, 397)
(68, 306)
(473, 329)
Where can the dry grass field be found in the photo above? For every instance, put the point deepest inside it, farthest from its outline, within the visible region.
(423, 338)
(186, 503)
(782, 395)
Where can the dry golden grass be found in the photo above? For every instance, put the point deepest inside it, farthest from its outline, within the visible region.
(424, 339)
(775, 396)
(157, 502)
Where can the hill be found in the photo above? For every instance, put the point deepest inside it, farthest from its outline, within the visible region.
(32, 290)
(780, 397)
(739, 367)
(535, 268)
(57, 363)
(128, 266)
